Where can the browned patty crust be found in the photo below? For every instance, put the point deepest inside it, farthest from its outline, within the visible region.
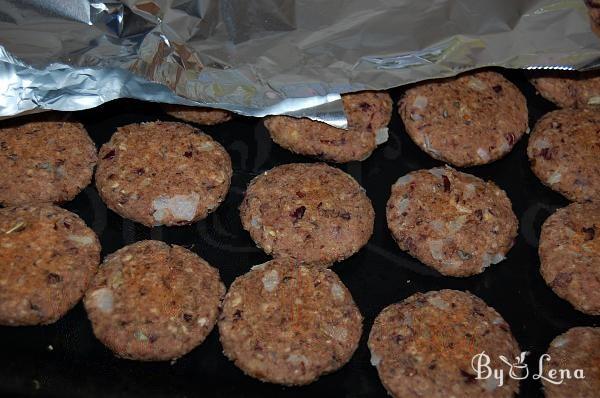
(48, 256)
(151, 301)
(475, 118)
(578, 348)
(199, 115)
(569, 89)
(570, 255)
(289, 324)
(564, 149)
(451, 221)
(424, 345)
(44, 161)
(368, 114)
(163, 173)
(312, 212)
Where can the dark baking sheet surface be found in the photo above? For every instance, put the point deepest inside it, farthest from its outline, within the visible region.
(380, 274)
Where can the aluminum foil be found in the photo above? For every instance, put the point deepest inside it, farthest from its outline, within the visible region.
(260, 57)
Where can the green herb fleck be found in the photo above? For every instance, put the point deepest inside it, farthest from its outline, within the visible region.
(17, 227)
(140, 336)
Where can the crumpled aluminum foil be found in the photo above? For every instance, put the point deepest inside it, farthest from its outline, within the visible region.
(259, 57)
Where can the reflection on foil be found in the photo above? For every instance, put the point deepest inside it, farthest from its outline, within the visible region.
(259, 57)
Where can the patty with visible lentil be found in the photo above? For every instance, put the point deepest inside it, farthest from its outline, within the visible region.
(473, 119)
(453, 222)
(425, 346)
(153, 302)
(289, 324)
(48, 257)
(44, 160)
(163, 173)
(368, 114)
(313, 213)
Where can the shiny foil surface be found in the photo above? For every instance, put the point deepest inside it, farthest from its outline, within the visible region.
(260, 57)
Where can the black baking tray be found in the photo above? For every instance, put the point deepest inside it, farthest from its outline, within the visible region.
(65, 359)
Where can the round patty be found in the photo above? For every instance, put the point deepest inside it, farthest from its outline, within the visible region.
(192, 114)
(314, 213)
(47, 258)
(289, 324)
(451, 221)
(44, 160)
(569, 89)
(564, 149)
(368, 114)
(424, 346)
(570, 255)
(472, 119)
(151, 301)
(163, 173)
(575, 349)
